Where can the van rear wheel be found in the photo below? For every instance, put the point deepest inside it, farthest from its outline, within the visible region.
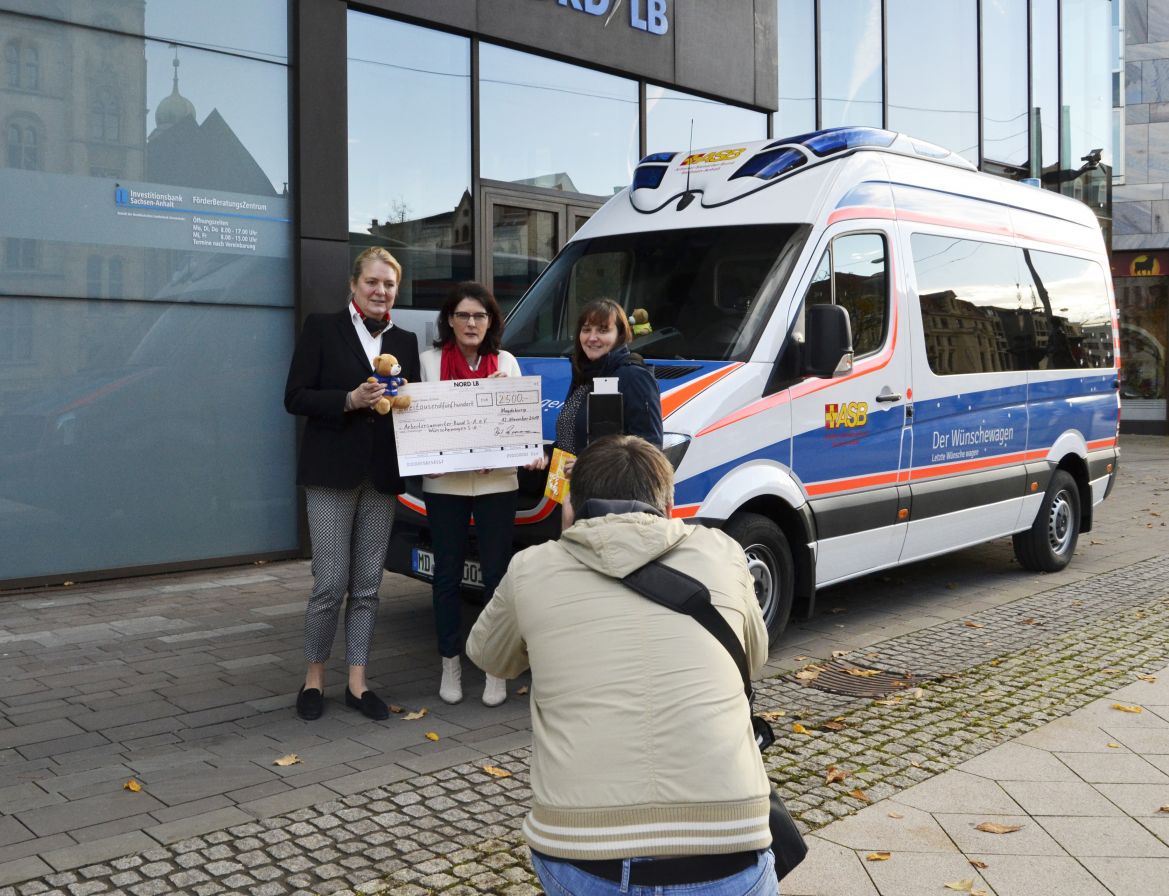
(769, 560)
(1050, 542)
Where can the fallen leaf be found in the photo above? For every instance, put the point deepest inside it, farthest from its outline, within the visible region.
(888, 701)
(834, 725)
(878, 856)
(1125, 707)
(997, 662)
(994, 827)
(496, 772)
(797, 728)
(395, 709)
(1163, 809)
(962, 886)
(896, 815)
(860, 795)
(67, 584)
(1151, 679)
(132, 786)
(290, 759)
(772, 715)
(971, 624)
(1114, 746)
(863, 673)
(837, 654)
(1094, 541)
(411, 716)
(521, 690)
(976, 891)
(838, 610)
(979, 864)
(809, 674)
(800, 659)
(1111, 671)
(833, 774)
(431, 735)
(917, 692)
(1031, 621)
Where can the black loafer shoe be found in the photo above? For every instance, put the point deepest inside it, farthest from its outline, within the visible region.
(310, 703)
(370, 704)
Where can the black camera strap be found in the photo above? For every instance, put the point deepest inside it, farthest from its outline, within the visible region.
(684, 594)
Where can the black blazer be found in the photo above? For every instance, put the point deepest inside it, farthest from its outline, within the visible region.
(340, 448)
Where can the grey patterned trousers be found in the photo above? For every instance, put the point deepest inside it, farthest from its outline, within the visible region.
(350, 531)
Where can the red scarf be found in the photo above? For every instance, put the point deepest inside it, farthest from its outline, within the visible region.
(454, 365)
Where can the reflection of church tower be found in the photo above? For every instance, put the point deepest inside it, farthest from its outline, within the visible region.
(183, 153)
(175, 107)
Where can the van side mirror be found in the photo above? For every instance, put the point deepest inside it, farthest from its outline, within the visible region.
(827, 341)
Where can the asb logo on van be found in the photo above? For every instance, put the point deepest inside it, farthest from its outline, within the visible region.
(849, 414)
(713, 158)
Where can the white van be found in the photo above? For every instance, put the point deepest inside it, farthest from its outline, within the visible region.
(869, 353)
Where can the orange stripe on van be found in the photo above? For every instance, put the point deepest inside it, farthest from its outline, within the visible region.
(1101, 443)
(677, 397)
(837, 486)
(685, 511)
(850, 214)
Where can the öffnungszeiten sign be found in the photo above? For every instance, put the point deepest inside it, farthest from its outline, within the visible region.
(459, 425)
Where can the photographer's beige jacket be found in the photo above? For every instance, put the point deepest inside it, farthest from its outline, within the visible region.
(641, 733)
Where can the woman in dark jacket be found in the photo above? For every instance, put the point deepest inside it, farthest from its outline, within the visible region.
(602, 349)
(349, 470)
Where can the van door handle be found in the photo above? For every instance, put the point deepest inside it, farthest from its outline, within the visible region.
(889, 396)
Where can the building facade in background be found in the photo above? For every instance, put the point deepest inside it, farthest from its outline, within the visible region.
(1140, 242)
(182, 183)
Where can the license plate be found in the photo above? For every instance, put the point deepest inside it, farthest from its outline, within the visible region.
(422, 562)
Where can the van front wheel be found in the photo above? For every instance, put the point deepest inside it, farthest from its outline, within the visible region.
(1050, 542)
(769, 560)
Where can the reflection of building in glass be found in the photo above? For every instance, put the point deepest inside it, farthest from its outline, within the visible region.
(1096, 342)
(960, 337)
(1027, 335)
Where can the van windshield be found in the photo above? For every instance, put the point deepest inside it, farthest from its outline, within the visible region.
(705, 293)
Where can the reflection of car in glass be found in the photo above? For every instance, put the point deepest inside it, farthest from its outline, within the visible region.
(868, 352)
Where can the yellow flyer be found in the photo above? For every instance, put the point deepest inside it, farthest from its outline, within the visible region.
(557, 485)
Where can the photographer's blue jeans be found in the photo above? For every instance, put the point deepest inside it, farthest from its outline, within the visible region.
(561, 878)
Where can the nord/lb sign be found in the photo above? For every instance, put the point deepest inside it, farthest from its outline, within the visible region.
(653, 19)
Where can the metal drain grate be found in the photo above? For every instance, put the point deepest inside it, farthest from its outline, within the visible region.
(838, 677)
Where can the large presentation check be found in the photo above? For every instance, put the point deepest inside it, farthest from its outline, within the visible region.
(459, 425)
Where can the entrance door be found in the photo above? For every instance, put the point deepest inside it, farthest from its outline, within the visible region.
(522, 229)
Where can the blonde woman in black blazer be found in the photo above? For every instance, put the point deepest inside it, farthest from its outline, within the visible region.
(349, 469)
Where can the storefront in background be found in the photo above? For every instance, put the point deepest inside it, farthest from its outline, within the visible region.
(182, 183)
(1142, 299)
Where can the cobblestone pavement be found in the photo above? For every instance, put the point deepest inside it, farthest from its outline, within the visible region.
(378, 811)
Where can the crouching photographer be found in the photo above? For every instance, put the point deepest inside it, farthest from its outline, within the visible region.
(645, 767)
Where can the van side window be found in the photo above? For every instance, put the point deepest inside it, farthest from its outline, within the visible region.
(852, 273)
(1074, 297)
(987, 307)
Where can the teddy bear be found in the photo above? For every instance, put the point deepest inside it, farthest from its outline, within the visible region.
(387, 371)
(640, 321)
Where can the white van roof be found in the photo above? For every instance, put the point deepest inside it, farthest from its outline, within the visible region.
(792, 179)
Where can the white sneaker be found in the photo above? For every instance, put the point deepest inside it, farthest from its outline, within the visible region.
(495, 691)
(451, 689)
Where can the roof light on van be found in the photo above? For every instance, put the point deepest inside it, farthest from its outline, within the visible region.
(648, 176)
(771, 163)
(825, 143)
(657, 157)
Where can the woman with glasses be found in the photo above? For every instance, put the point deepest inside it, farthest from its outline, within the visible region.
(470, 326)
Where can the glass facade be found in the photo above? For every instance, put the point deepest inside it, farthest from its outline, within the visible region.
(670, 114)
(550, 124)
(146, 288)
(933, 72)
(148, 278)
(851, 63)
(410, 168)
(797, 67)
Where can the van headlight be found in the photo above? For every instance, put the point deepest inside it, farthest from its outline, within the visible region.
(674, 446)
